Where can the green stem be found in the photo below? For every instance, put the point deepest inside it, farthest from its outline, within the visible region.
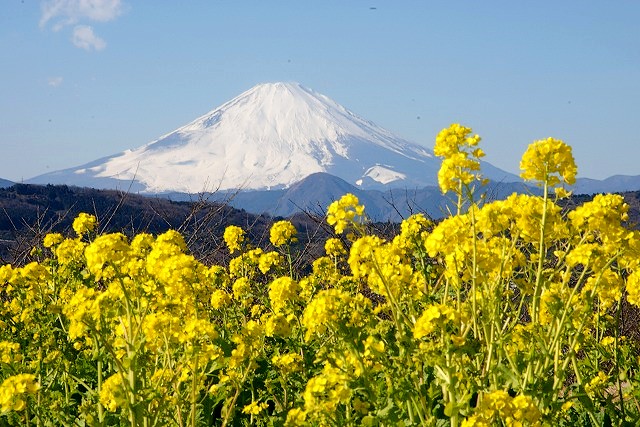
(27, 415)
(194, 392)
(100, 407)
(474, 273)
(616, 356)
(541, 256)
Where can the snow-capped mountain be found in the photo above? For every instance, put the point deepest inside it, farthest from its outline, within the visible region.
(269, 137)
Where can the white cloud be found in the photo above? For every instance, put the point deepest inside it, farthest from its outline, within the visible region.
(54, 81)
(69, 12)
(85, 38)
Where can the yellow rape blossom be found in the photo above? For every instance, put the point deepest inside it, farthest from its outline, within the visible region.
(247, 264)
(344, 212)
(597, 384)
(453, 300)
(269, 260)
(241, 288)
(296, 417)
(278, 325)
(334, 247)
(633, 288)
(602, 219)
(456, 170)
(549, 160)
(281, 291)
(141, 244)
(450, 140)
(106, 250)
(254, 408)
(219, 299)
(14, 391)
(52, 239)
(84, 223)
(498, 405)
(288, 362)
(461, 163)
(433, 316)
(282, 233)
(234, 237)
(70, 251)
(10, 352)
(112, 396)
(332, 306)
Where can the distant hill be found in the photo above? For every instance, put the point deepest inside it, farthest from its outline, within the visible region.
(613, 184)
(315, 192)
(5, 183)
(28, 212)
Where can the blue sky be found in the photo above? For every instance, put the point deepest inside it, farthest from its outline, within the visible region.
(84, 79)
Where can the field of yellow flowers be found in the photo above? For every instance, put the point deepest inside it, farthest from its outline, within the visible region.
(504, 313)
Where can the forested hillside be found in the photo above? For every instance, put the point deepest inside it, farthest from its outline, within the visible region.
(29, 212)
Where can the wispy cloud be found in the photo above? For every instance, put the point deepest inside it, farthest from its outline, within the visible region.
(54, 81)
(63, 13)
(84, 38)
(68, 12)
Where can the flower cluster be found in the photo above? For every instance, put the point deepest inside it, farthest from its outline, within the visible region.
(344, 212)
(282, 233)
(14, 391)
(461, 163)
(234, 237)
(83, 224)
(499, 406)
(549, 161)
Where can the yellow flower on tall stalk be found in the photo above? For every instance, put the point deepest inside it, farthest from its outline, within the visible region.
(52, 239)
(498, 405)
(461, 164)
(516, 292)
(288, 362)
(269, 261)
(454, 139)
(551, 163)
(234, 237)
(84, 223)
(344, 212)
(434, 316)
(219, 299)
(334, 247)
(549, 160)
(241, 288)
(282, 233)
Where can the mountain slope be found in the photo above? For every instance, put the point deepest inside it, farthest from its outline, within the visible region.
(269, 137)
(613, 184)
(4, 183)
(314, 193)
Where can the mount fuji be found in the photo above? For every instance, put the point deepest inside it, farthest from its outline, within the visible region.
(269, 137)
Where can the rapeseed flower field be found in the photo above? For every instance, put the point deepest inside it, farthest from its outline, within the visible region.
(505, 313)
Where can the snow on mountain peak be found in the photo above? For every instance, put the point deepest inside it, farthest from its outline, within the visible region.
(270, 136)
(293, 114)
